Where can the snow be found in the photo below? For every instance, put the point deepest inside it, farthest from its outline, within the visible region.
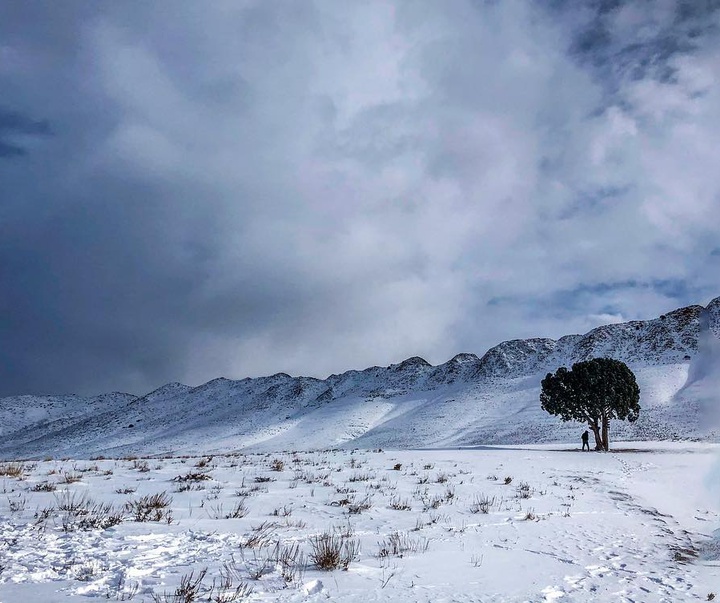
(637, 524)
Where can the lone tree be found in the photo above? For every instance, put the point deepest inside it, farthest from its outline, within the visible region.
(593, 392)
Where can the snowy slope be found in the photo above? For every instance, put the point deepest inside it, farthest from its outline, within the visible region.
(468, 400)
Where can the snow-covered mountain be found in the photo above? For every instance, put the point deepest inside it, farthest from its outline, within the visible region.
(468, 400)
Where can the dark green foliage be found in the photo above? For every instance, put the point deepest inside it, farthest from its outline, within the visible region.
(592, 392)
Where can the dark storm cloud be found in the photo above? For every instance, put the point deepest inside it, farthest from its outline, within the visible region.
(244, 188)
(622, 39)
(13, 127)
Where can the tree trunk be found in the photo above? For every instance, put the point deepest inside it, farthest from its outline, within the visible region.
(593, 425)
(605, 432)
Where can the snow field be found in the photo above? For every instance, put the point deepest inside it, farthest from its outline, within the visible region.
(541, 523)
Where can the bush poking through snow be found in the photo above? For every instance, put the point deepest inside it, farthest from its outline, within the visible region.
(482, 504)
(400, 504)
(11, 469)
(291, 561)
(284, 511)
(70, 478)
(333, 550)
(190, 590)
(398, 544)
(238, 511)
(204, 462)
(192, 476)
(231, 586)
(261, 535)
(44, 487)
(18, 505)
(357, 507)
(141, 466)
(151, 507)
(80, 512)
(361, 477)
(524, 490)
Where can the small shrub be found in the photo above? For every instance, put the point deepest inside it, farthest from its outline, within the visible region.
(360, 477)
(277, 465)
(355, 508)
(100, 516)
(262, 562)
(151, 507)
(332, 550)
(121, 590)
(44, 487)
(141, 466)
(11, 469)
(260, 535)
(125, 490)
(192, 476)
(42, 515)
(72, 502)
(227, 591)
(342, 502)
(284, 511)
(238, 511)
(189, 590)
(400, 504)
(18, 505)
(80, 512)
(291, 562)
(203, 462)
(524, 490)
(508, 480)
(397, 466)
(70, 478)
(399, 544)
(482, 504)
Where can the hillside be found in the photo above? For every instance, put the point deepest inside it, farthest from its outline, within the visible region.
(466, 401)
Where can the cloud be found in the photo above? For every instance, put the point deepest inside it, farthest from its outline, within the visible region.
(17, 130)
(246, 188)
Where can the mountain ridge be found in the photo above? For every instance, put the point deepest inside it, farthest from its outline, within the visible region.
(382, 406)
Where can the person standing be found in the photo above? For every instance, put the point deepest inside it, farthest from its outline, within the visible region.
(585, 437)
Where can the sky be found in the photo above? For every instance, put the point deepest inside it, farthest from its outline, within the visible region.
(199, 189)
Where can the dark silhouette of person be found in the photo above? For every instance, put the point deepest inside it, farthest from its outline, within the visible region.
(585, 442)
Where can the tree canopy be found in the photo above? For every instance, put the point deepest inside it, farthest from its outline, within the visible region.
(593, 392)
